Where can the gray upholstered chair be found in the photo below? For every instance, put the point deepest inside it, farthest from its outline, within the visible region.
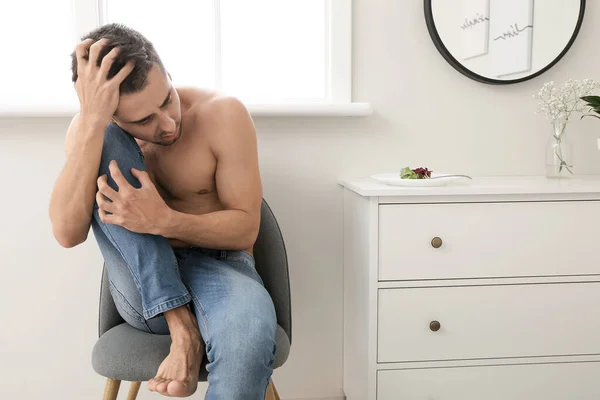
(123, 353)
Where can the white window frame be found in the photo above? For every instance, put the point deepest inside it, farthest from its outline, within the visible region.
(90, 14)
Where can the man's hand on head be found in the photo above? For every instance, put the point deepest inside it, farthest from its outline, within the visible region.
(98, 96)
(140, 210)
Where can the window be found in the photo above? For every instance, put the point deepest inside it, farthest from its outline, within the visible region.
(35, 68)
(182, 32)
(274, 52)
(263, 51)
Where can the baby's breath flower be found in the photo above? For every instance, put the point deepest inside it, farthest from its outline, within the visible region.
(559, 103)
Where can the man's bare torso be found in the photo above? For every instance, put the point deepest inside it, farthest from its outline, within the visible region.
(184, 172)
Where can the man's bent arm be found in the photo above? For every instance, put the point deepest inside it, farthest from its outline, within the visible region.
(224, 230)
(73, 196)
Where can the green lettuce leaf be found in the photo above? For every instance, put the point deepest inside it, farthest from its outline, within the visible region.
(407, 173)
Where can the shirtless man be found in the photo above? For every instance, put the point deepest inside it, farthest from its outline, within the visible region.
(168, 179)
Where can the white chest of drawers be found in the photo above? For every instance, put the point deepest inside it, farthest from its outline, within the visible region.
(489, 290)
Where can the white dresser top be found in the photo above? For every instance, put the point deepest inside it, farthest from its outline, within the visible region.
(579, 187)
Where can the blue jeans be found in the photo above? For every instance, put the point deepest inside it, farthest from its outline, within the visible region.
(147, 277)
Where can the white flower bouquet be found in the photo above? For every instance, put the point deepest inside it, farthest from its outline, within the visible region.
(559, 104)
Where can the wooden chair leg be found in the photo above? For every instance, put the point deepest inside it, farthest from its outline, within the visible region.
(111, 389)
(272, 392)
(134, 388)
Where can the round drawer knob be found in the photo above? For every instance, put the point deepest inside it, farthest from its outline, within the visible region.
(436, 242)
(435, 326)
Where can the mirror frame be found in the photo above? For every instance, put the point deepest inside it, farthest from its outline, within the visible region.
(439, 44)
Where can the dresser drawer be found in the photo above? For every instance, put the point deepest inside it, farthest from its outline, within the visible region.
(488, 322)
(479, 240)
(515, 382)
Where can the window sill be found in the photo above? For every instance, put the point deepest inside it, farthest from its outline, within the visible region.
(256, 110)
(310, 110)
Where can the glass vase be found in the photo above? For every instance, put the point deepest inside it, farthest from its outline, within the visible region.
(559, 152)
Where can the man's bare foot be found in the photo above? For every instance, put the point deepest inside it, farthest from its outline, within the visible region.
(178, 374)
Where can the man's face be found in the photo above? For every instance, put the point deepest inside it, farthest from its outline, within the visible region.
(154, 114)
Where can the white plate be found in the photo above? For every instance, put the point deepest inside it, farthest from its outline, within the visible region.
(394, 179)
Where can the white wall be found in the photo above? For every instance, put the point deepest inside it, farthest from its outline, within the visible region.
(426, 114)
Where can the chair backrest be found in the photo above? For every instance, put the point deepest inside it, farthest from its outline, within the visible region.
(271, 263)
(272, 266)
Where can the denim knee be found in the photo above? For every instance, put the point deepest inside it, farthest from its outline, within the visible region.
(241, 349)
(248, 340)
(121, 147)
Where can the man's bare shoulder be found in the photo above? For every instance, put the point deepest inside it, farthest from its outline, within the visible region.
(234, 125)
(224, 117)
(228, 111)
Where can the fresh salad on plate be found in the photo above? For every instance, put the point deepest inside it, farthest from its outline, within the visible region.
(418, 177)
(417, 173)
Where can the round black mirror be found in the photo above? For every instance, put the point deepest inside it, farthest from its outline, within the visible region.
(503, 41)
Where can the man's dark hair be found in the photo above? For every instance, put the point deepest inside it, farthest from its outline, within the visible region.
(132, 45)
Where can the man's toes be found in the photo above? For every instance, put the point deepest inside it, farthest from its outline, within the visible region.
(180, 389)
(162, 387)
(154, 382)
